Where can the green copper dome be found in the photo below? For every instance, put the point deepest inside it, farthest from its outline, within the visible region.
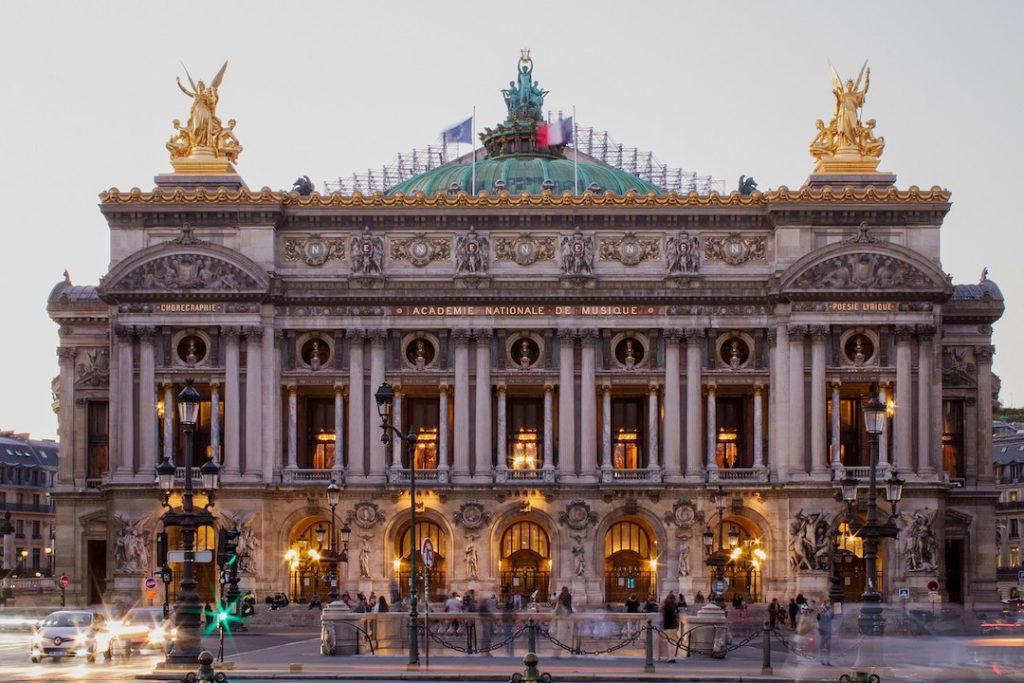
(525, 174)
(517, 161)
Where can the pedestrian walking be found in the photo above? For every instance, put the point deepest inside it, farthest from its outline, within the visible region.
(670, 625)
(825, 634)
(794, 609)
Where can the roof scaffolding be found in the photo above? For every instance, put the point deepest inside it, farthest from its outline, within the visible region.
(597, 144)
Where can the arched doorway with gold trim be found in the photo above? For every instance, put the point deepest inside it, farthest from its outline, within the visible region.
(525, 560)
(206, 572)
(437, 575)
(747, 552)
(307, 575)
(630, 560)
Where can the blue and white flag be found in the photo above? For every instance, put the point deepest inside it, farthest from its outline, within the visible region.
(462, 132)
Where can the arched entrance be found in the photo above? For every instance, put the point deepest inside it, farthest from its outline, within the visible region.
(206, 572)
(630, 560)
(747, 556)
(525, 560)
(306, 575)
(436, 576)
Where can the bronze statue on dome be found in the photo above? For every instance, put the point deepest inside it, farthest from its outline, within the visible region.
(524, 96)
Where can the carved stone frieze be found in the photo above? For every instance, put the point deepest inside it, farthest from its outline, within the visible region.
(630, 250)
(333, 310)
(367, 254)
(577, 515)
(735, 249)
(524, 249)
(684, 514)
(682, 253)
(179, 272)
(94, 368)
(314, 250)
(719, 309)
(471, 515)
(862, 271)
(420, 250)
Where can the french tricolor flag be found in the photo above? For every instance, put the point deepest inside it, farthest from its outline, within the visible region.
(555, 133)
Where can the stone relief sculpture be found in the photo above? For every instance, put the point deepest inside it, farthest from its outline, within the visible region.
(471, 515)
(682, 253)
(862, 271)
(472, 557)
(578, 254)
(735, 249)
(366, 514)
(420, 250)
(921, 548)
(94, 370)
(472, 253)
(683, 558)
(524, 249)
(809, 544)
(629, 249)
(131, 550)
(579, 560)
(179, 272)
(314, 250)
(364, 558)
(577, 515)
(367, 254)
(55, 395)
(957, 367)
(248, 542)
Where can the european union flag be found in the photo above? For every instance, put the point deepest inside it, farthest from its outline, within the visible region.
(462, 132)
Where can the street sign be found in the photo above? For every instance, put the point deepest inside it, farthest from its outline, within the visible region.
(64, 581)
(1020, 576)
(905, 593)
(933, 586)
(427, 551)
(151, 593)
(200, 556)
(150, 583)
(720, 585)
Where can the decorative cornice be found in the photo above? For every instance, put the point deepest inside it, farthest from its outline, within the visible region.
(113, 197)
(461, 336)
(566, 335)
(589, 336)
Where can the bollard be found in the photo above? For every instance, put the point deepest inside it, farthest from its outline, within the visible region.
(766, 649)
(206, 672)
(530, 671)
(469, 638)
(531, 633)
(649, 650)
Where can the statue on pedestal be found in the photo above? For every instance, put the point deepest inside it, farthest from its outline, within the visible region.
(204, 144)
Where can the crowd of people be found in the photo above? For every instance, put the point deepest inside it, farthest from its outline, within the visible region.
(807, 619)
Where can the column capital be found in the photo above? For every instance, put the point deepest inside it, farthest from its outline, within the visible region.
(252, 332)
(549, 387)
(483, 335)
(339, 388)
(672, 334)
(292, 389)
(230, 332)
(772, 336)
(444, 388)
(66, 353)
(758, 389)
(653, 387)
(215, 383)
(710, 388)
(796, 332)
(461, 336)
(589, 335)
(124, 331)
(836, 383)
(886, 385)
(694, 335)
(565, 334)
(926, 333)
(904, 333)
(146, 332)
(166, 384)
(606, 387)
(818, 332)
(983, 353)
(378, 337)
(501, 387)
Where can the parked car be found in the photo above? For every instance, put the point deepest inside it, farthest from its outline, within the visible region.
(145, 628)
(72, 633)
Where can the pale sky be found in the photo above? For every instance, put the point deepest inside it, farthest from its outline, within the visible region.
(325, 89)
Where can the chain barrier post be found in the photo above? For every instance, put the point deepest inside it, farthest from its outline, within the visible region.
(649, 650)
(531, 640)
(766, 649)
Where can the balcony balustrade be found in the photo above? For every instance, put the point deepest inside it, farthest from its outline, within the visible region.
(647, 475)
(438, 477)
(737, 475)
(504, 475)
(312, 475)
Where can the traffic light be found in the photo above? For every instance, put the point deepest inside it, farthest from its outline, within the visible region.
(227, 547)
(161, 549)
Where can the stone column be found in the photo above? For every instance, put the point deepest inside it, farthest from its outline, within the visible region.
(461, 449)
(549, 426)
(126, 402)
(837, 461)
(693, 407)
(712, 431)
(798, 406)
(293, 426)
(339, 430)
(396, 418)
(356, 405)
(983, 357)
(232, 402)
(588, 407)
(566, 402)
(168, 453)
(819, 455)
(483, 451)
(925, 441)
(884, 392)
(271, 386)
(66, 418)
(147, 403)
(442, 428)
(673, 414)
(501, 454)
(904, 418)
(779, 458)
(652, 426)
(378, 454)
(758, 426)
(215, 421)
(606, 426)
(253, 402)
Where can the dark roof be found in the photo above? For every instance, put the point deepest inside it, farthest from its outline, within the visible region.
(1007, 443)
(17, 450)
(986, 289)
(65, 291)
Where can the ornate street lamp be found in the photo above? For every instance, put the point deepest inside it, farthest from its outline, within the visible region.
(870, 621)
(385, 397)
(187, 610)
(718, 559)
(332, 556)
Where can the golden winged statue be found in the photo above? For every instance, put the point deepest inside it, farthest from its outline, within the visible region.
(846, 144)
(204, 144)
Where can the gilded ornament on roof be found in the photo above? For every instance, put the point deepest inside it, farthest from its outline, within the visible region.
(204, 144)
(847, 144)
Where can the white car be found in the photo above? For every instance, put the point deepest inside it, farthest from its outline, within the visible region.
(144, 628)
(71, 633)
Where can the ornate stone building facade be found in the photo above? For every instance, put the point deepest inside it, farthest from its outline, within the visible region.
(583, 357)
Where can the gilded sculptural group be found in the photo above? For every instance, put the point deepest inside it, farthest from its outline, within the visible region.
(204, 143)
(846, 144)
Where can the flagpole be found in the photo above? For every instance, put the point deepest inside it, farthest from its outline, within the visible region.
(472, 144)
(575, 156)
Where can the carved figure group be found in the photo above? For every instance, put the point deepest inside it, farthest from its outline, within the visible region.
(809, 544)
(248, 543)
(471, 254)
(845, 133)
(131, 550)
(578, 254)
(204, 129)
(921, 549)
(184, 272)
(367, 254)
(524, 97)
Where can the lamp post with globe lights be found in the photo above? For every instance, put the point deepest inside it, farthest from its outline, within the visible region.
(718, 558)
(332, 556)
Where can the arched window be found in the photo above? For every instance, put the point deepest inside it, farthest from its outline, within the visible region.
(436, 575)
(525, 561)
(630, 561)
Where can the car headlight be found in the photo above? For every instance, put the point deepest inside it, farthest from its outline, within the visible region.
(157, 635)
(37, 640)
